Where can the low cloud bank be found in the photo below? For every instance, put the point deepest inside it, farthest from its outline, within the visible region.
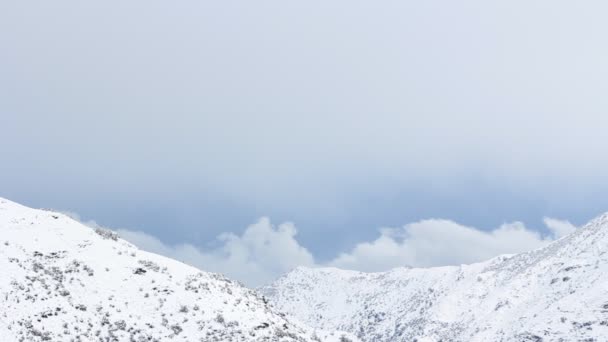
(260, 254)
(443, 242)
(265, 251)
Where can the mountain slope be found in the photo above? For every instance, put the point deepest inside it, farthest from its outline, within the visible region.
(62, 281)
(556, 293)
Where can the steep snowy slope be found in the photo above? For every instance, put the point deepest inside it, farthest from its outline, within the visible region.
(62, 281)
(556, 293)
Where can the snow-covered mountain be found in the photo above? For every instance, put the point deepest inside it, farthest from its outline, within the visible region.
(556, 293)
(62, 281)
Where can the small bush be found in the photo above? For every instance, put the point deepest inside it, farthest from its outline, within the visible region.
(106, 233)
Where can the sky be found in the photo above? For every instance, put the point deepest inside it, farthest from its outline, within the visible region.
(340, 121)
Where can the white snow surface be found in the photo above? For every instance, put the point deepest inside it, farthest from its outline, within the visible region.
(555, 293)
(63, 281)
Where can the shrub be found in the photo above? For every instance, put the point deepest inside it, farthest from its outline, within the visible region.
(106, 233)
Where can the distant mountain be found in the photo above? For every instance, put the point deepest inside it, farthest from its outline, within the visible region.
(556, 293)
(62, 281)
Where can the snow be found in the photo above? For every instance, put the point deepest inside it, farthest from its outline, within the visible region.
(556, 293)
(63, 281)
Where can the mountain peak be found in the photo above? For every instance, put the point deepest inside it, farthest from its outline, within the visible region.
(63, 281)
(554, 293)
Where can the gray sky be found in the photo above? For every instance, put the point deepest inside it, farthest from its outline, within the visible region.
(189, 119)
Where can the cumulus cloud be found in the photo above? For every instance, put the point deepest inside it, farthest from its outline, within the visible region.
(265, 251)
(257, 256)
(261, 253)
(559, 228)
(442, 242)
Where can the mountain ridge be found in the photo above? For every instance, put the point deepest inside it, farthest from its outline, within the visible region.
(63, 281)
(558, 292)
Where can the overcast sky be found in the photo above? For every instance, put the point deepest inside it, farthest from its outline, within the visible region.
(186, 120)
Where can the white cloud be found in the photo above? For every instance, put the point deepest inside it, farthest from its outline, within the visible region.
(261, 253)
(442, 242)
(558, 227)
(264, 251)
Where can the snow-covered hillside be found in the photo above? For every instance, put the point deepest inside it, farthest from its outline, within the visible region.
(557, 293)
(62, 281)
